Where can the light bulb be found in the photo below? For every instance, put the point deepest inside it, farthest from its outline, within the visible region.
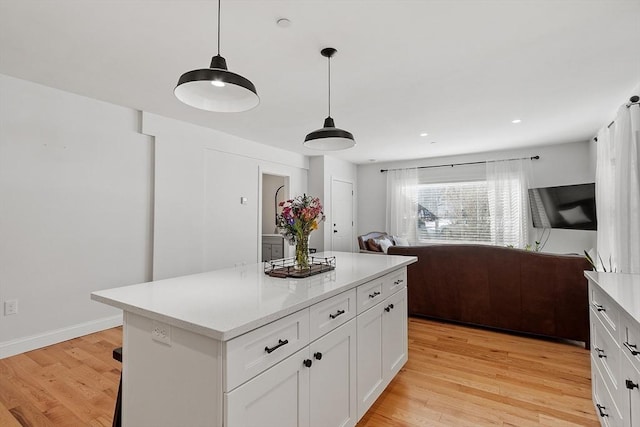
(217, 83)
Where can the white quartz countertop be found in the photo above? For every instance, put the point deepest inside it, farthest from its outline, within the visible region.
(223, 304)
(624, 289)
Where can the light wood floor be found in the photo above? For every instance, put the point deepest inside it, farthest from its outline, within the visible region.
(456, 376)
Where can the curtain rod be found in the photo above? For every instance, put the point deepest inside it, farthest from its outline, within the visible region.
(462, 164)
(632, 101)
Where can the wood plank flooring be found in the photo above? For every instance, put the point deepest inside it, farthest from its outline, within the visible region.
(456, 376)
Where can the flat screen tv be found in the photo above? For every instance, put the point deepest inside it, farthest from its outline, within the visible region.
(568, 206)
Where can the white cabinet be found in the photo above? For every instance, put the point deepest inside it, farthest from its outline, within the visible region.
(246, 349)
(333, 378)
(278, 397)
(272, 247)
(315, 387)
(382, 347)
(615, 354)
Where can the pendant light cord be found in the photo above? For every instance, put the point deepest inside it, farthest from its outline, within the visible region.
(218, 27)
(329, 58)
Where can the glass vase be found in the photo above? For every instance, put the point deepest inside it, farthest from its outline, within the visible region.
(302, 252)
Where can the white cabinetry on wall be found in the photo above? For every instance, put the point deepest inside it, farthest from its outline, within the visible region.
(615, 347)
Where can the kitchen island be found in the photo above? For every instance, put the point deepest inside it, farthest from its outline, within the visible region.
(236, 347)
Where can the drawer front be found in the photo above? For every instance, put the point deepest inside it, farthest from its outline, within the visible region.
(370, 294)
(276, 251)
(606, 310)
(331, 313)
(606, 353)
(630, 340)
(606, 410)
(395, 281)
(249, 354)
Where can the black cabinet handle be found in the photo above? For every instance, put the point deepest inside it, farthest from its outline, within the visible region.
(600, 352)
(632, 348)
(601, 410)
(599, 307)
(397, 282)
(277, 346)
(630, 384)
(317, 355)
(375, 294)
(307, 363)
(338, 313)
(388, 308)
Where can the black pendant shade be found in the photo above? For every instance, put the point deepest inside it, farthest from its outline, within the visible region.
(216, 88)
(329, 138)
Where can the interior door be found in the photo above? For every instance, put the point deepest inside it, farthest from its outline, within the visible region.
(341, 215)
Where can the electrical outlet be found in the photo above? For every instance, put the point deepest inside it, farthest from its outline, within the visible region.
(161, 332)
(10, 307)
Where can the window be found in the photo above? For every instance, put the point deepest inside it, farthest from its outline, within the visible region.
(454, 211)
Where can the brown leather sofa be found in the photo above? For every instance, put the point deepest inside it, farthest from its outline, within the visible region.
(498, 287)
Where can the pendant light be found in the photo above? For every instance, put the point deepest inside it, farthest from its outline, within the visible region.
(216, 88)
(329, 137)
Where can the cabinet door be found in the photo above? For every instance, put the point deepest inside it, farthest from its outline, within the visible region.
(266, 252)
(278, 397)
(394, 334)
(333, 378)
(630, 403)
(369, 372)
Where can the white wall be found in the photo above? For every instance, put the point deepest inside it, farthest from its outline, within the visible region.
(561, 164)
(95, 196)
(75, 211)
(200, 177)
(322, 170)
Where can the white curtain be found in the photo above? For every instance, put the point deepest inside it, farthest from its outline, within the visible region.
(507, 191)
(402, 208)
(618, 193)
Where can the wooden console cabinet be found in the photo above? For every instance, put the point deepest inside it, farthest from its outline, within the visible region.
(237, 348)
(614, 301)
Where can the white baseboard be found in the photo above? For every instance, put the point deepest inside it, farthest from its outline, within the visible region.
(21, 345)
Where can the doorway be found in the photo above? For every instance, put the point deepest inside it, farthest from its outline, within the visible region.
(274, 189)
(342, 237)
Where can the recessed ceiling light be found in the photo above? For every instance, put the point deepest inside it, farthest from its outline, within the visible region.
(424, 134)
(516, 121)
(283, 23)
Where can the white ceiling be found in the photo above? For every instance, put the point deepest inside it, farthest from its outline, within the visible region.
(459, 70)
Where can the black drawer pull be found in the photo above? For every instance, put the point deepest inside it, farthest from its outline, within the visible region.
(338, 313)
(388, 308)
(600, 352)
(601, 410)
(397, 282)
(307, 363)
(599, 307)
(277, 346)
(375, 294)
(632, 348)
(317, 355)
(630, 384)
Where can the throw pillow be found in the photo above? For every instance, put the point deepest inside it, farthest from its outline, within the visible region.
(385, 244)
(373, 245)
